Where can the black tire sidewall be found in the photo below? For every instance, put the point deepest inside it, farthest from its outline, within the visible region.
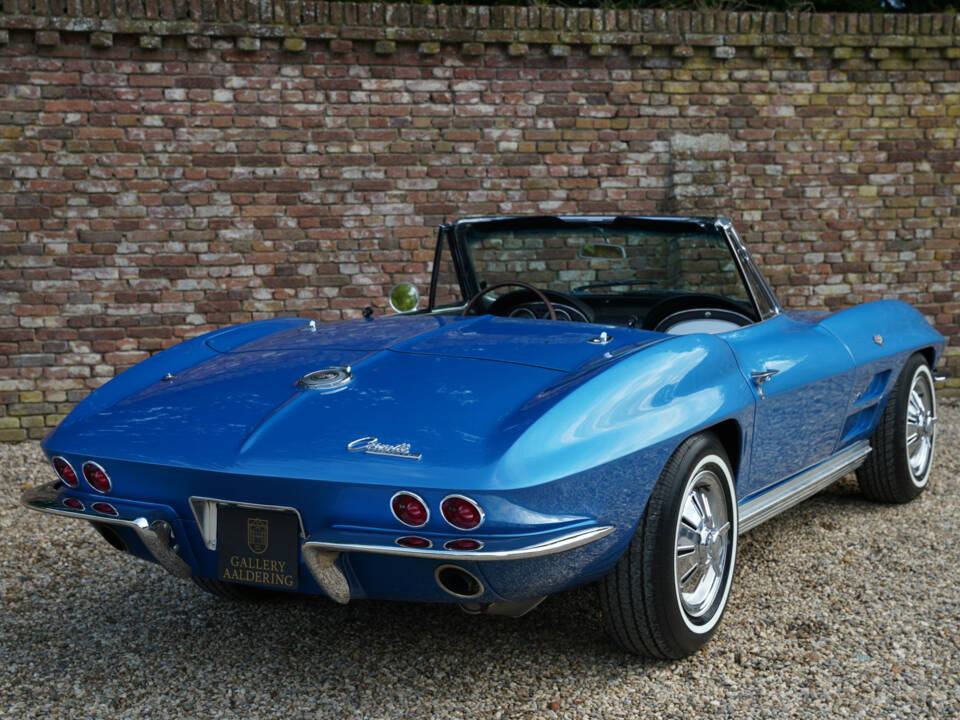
(676, 479)
(916, 364)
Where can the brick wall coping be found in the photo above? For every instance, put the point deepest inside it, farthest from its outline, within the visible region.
(284, 19)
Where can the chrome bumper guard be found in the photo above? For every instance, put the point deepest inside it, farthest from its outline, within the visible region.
(156, 535)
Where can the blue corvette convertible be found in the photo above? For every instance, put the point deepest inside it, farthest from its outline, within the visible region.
(582, 399)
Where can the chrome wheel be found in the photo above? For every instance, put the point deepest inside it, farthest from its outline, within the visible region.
(921, 424)
(702, 543)
(668, 593)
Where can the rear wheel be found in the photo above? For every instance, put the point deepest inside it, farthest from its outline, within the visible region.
(668, 592)
(899, 467)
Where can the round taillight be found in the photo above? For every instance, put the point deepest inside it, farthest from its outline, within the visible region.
(413, 541)
(463, 544)
(65, 471)
(461, 512)
(96, 476)
(73, 503)
(410, 509)
(105, 508)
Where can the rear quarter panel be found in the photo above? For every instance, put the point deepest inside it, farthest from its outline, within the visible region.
(616, 430)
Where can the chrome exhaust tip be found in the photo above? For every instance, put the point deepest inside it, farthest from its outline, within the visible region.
(456, 581)
(111, 536)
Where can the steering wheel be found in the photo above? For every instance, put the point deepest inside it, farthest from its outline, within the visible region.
(476, 298)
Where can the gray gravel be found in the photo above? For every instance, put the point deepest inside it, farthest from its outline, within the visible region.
(841, 608)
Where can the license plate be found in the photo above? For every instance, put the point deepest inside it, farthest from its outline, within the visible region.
(258, 547)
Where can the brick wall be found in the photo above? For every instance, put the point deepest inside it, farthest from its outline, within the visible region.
(170, 166)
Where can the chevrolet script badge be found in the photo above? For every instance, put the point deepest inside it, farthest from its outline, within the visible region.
(372, 446)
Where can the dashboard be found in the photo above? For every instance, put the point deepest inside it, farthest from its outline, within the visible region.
(673, 312)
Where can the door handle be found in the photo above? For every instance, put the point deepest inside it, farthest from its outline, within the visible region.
(760, 377)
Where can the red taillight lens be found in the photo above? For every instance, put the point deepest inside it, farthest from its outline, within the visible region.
(410, 509)
(461, 512)
(65, 471)
(466, 544)
(73, 504)
(412, 541)
(96, 476)
(105, 508)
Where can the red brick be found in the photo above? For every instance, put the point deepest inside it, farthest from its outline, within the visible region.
(156, 194)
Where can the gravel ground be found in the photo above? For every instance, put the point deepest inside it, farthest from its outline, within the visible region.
(841, 608)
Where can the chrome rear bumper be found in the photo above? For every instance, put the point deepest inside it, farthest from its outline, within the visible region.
(321, 551)
(513, 548)
(156, 534)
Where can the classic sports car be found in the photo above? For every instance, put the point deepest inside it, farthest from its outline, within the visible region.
(610, 399)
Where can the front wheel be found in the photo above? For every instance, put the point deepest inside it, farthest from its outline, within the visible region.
(899, 467)
(668, 592)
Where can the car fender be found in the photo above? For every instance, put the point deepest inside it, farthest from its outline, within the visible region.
(882, 329)
(880, 337)
(613, 434)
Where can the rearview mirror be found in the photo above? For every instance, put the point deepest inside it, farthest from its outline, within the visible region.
(404, 297)
(601, 251)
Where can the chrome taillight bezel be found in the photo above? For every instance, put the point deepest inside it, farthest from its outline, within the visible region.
(66, 462)
(415, 497)
(448, 543)
(428, 541)
(471, 501)
(98, 466)
(111, 512)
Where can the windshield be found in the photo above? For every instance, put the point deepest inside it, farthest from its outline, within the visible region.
(593, 259)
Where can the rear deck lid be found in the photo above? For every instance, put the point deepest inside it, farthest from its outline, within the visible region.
(566, 347)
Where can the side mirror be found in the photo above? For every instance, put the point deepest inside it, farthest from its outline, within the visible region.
(602, 251)
(404, 297)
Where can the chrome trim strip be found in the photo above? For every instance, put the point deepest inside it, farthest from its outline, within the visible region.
(787, 494)
(156, 536)
(566, 542)
(205, 513)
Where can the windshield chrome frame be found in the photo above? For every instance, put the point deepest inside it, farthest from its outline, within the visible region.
(764, 301)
